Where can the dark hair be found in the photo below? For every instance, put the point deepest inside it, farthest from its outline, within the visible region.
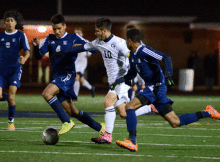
(17, 16)
(134, 35)
(104, 23)
(58, 18)
(131, 26)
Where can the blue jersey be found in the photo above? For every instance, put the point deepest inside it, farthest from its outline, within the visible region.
(10, 47)
(52, 44)
(145, 62)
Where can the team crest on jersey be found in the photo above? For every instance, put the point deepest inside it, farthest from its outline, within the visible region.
(113, 45)
(64, 42)
(52, 42)
(13, 40)
(2, 39)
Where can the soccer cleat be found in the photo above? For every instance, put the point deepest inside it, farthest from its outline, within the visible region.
(93, 91)
(153, 109)
(101, 132)
(127, 144)
(106, 139)
(214, 113)
(66, 127)
(11, 126)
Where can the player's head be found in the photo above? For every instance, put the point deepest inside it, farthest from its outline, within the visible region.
(131, 26)
(133, 36)
(13, 20)
(79, 31)
(103, 28)
(58, 25)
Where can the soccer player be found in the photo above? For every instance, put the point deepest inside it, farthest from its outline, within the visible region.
(63, 74)
(145, 61)
(12, 40)
(81, 64)
(115, 55)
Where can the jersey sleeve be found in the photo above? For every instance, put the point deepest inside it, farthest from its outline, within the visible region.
(149, 52)
(80, 40)
(123, 48)
(24, 42)
(44, 45)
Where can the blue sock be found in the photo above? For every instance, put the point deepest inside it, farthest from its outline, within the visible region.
(11, 112)
(131, 121)
(57, 107)
(205, 114)
(86, 119)
(188, 118)
(4, 97)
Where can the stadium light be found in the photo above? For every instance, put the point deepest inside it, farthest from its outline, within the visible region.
(41, 29)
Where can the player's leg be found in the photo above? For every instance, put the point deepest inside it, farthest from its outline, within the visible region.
(110, 116)
(11, 106)
(48, 94)
(86, 84)
(77, 84)
(82, 116)
(3, 97)
(131, 121)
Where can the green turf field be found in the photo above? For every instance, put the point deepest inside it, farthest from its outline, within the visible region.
(157, 141)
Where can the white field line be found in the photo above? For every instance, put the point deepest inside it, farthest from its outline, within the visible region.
(105, 154)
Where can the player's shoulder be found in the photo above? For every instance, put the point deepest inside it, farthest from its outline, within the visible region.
(117, 38)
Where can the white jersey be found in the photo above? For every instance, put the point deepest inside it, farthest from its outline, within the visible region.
(115, 55)
(81, 61)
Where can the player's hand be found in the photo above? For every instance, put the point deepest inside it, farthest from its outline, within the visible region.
(169, 81)
(117, 81)
(35, 41)
(22, 60)
(57, 55)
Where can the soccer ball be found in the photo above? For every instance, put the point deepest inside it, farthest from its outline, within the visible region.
(50, 136)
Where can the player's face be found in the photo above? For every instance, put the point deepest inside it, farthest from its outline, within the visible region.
(10, 24)
(59, 29)
(79, 32)
(100, 33)
(128, 42)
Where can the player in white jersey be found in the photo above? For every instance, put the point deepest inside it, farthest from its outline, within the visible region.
(81, 64)
(115, 55)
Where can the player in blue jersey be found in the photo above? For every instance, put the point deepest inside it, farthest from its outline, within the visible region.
(63, 74)
(145, 61)
(11, 42)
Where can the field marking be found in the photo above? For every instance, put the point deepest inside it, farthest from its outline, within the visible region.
(151, 144)
(105, 154)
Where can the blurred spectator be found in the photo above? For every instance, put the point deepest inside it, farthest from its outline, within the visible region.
(194, 63)
(210, 70)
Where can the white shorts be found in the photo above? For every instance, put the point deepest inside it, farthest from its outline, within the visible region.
(81, 68)
(121, 90)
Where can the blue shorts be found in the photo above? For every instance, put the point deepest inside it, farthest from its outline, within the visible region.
(11, 76)
(65, 83)
(157, 96)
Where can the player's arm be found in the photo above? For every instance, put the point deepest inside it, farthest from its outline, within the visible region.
(25, 45)
(168, 72)
(39, 51)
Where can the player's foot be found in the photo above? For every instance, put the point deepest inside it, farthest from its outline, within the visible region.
(11, 126)
(66, 127)
(153, 108)
(101, 132)
(93, 91)
(106, 139)
(127, 144)
(214, 113)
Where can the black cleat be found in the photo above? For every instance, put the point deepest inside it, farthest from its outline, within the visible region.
(93, 91)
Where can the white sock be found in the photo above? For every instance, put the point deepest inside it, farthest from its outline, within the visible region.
(110, 116)
(87, 85)
(12, 120)
(76, 87)
(143, 110)
(133, 94)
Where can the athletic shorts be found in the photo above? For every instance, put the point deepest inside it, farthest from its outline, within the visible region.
(122, 92)
(156, 95)
(65, 83)
(11, 76)
(81, 68)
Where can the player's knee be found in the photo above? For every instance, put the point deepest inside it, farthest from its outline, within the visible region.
(107, 104)
(175, 124)
(123, 115)
(128, 106)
